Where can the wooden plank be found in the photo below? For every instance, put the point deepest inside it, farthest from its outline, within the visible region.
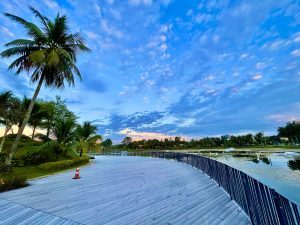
(122, 190)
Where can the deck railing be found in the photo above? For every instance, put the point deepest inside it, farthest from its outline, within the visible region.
(262, 204)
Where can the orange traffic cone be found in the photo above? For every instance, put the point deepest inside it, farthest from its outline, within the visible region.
(76, 174)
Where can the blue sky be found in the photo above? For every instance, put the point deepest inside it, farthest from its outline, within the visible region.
(170, 67)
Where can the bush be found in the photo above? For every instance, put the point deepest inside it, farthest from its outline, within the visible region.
(8, 182)
(36, 155)
(2, 158)
(65, 164)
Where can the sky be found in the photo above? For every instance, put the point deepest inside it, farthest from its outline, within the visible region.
(163, 68)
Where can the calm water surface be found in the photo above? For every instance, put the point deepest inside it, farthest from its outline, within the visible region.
(280, 171)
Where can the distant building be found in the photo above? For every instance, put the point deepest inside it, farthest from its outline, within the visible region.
(284, 138)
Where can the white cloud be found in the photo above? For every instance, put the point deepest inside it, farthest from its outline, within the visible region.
(137, 135)
(140, 2)
(6, 31)
(284, 117)
(244, 55)
(297, 39)
(165, 56)
(257, 77)
(91, 34)
(110, 30)
(163, 38)
(165, 2)
(110, 1)
(295, 53)
(260, 65)
(164, 28)
(54, 6)
(210, 77)
(116, 14)
(189, 12)
(163, 47)
(97, 8)
(203, 18)
(188, 122)
(146, 99)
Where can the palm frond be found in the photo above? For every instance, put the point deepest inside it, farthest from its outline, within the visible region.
(32, 30)
(16, 51)
(42, 18)
(21, 42)
(42, 137)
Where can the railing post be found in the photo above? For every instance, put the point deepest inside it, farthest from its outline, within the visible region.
(247, 192)
(280, 211)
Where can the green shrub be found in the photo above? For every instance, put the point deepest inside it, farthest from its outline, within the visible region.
(2, 158)
(65, 164)
(36, 155)
(10, 181)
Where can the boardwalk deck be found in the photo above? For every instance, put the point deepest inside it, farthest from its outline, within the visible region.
(123, 190)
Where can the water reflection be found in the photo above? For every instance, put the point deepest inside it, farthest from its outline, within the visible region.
(280, 171)
(294, 164)
(266, 161)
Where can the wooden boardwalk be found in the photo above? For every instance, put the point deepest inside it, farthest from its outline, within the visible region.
(123, 190)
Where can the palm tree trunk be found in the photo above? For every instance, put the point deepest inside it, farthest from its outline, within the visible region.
(3, 138)
(33, 131)
(7, 165)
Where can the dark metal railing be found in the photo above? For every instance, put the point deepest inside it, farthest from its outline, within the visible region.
(262, 204)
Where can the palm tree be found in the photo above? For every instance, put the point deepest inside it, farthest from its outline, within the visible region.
(63, 133)
(50, 54)
(87, 137)
(4, 114)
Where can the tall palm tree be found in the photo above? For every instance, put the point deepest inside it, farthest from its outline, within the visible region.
(87, 137)
(50, 54)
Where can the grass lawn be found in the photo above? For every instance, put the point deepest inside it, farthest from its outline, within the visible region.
(30, 172)
(17, 178)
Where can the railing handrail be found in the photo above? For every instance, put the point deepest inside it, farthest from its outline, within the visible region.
(262, 204)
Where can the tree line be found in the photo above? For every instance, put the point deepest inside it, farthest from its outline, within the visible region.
(288, 135)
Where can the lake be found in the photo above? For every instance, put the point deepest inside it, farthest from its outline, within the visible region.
(280, 171)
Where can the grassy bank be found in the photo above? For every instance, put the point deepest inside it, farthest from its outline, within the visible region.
(18, 176)
(254, 149)
(34, 160)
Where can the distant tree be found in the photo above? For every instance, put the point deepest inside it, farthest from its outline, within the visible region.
(127, 140)
(107, 144)
(291, 130)
(56, 111)
(259, 138)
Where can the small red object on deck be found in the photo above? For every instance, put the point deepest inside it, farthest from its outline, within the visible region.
(76, 174)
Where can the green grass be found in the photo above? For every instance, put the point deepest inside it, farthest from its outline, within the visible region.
(30, 172)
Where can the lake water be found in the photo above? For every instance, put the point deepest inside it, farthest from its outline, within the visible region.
(280, 171)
